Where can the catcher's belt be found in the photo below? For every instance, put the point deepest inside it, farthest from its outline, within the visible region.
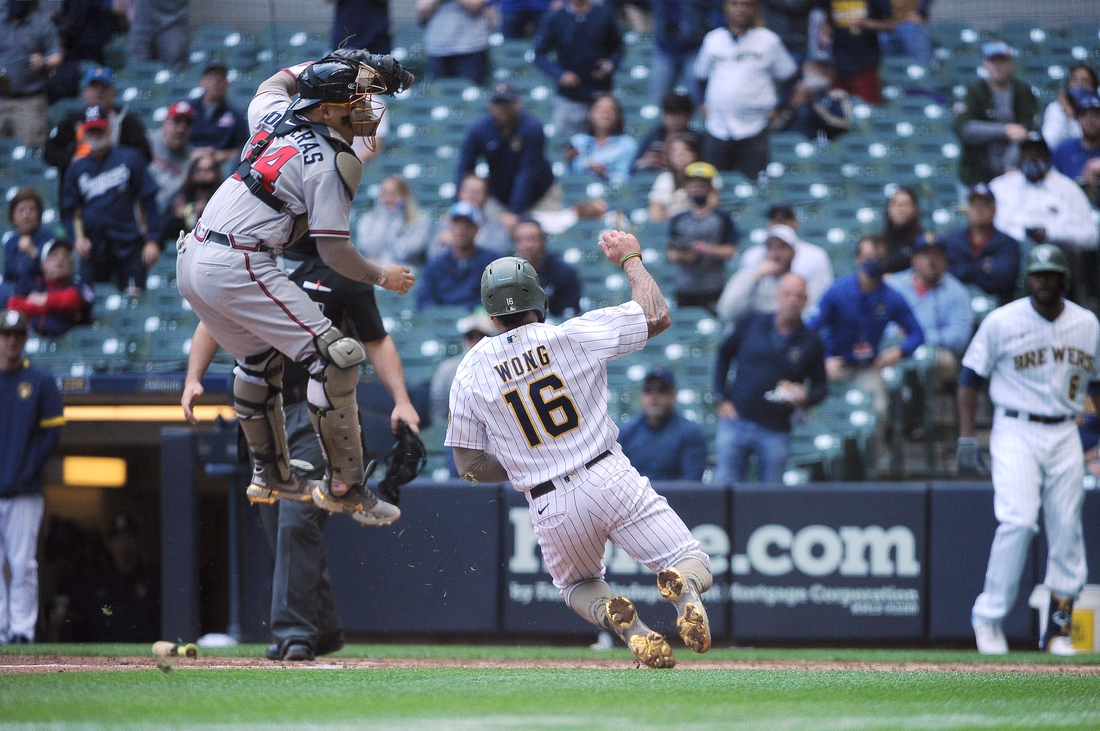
(546, 487)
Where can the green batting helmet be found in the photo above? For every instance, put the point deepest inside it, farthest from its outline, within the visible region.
(1047, 258)
(511, 285)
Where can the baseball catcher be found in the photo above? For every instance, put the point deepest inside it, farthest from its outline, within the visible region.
(297, 177)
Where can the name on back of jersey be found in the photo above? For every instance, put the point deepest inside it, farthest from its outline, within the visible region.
(516, 366)
(1059, 354)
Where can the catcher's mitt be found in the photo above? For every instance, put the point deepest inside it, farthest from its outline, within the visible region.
(403, 462)
(393, 76)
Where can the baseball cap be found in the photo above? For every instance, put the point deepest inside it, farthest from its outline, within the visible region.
(94, 118)
(664, 375)
(780, 210)
(99, 74)
(784, 233)
(465, 209)
(215, 64)
(503, 94)
(477, 322)
(926, 241)
(51, 245)
(1046, 258)
(12, 320)
(997, 48)
(703, 170)
(981, 189)
(182, 109)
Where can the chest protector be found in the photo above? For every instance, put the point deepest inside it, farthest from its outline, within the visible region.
(347, 163)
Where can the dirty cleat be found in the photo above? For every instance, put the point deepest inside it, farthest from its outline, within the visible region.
(691, 616)
(651, 648)
(361, 504)
(267, 487)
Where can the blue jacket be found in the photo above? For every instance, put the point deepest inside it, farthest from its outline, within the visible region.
(449, 281)
(679, 25)
(579, 43)
(562, 285)
(996, 269)
(1070, 156)
(224, 128)
(21, 270)
(943, 312)
(677, 450)
(519, 173)
(107, 193)
(30, 429)
(764, 358)
(847, 317)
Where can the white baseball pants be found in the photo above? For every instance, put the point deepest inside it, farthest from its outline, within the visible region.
(1034, 465)
(20, 520)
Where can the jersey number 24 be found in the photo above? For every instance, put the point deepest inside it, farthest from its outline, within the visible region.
(555, 410)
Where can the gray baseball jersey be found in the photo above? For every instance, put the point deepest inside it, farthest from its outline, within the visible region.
(299, 168)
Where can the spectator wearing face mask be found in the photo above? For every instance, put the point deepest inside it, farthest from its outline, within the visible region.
(816, 109)
(852, 317)
(701, 241)
(1038, 205)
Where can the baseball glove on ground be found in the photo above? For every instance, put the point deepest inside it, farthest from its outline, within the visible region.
(403, 462)
(392, 74)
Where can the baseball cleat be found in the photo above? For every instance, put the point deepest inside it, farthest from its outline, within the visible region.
(651, 648)
(991, 640)
(1061, 645)
(267, 487)
(361, 504)
(691, 616)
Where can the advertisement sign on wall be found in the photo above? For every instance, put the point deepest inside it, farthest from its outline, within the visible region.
(828, 561)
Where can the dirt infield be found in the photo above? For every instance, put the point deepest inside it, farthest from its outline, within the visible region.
(25, 664)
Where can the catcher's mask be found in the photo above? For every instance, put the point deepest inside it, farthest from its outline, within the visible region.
(342, 83)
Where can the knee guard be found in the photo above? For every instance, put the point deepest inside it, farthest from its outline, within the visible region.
(589, 600)
(696, 571)
(332, 407)
(258, 401)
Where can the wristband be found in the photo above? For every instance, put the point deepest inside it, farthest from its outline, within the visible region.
(382, 280)
(622, 262)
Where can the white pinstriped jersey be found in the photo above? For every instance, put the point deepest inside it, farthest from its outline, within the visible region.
(1034, 365)
(299, 168)
(536, 396)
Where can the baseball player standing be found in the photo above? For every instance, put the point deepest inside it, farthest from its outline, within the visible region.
(530, 406)
(1040, 354)
(298, 173)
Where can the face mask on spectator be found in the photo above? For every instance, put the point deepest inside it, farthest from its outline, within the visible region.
(1034, 169)
(872, 268)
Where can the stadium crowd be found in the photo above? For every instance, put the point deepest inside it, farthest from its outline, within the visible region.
(729, 81)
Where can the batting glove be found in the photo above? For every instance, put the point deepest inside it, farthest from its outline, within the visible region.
(969, 458)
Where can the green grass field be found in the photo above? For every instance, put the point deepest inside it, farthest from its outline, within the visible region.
(506, 698)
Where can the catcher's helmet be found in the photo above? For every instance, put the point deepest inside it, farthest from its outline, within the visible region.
(332, 80)
(1047, 258)
(511, 285)
(339, 81)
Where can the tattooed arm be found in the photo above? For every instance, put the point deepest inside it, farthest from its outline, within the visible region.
(643, 289)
